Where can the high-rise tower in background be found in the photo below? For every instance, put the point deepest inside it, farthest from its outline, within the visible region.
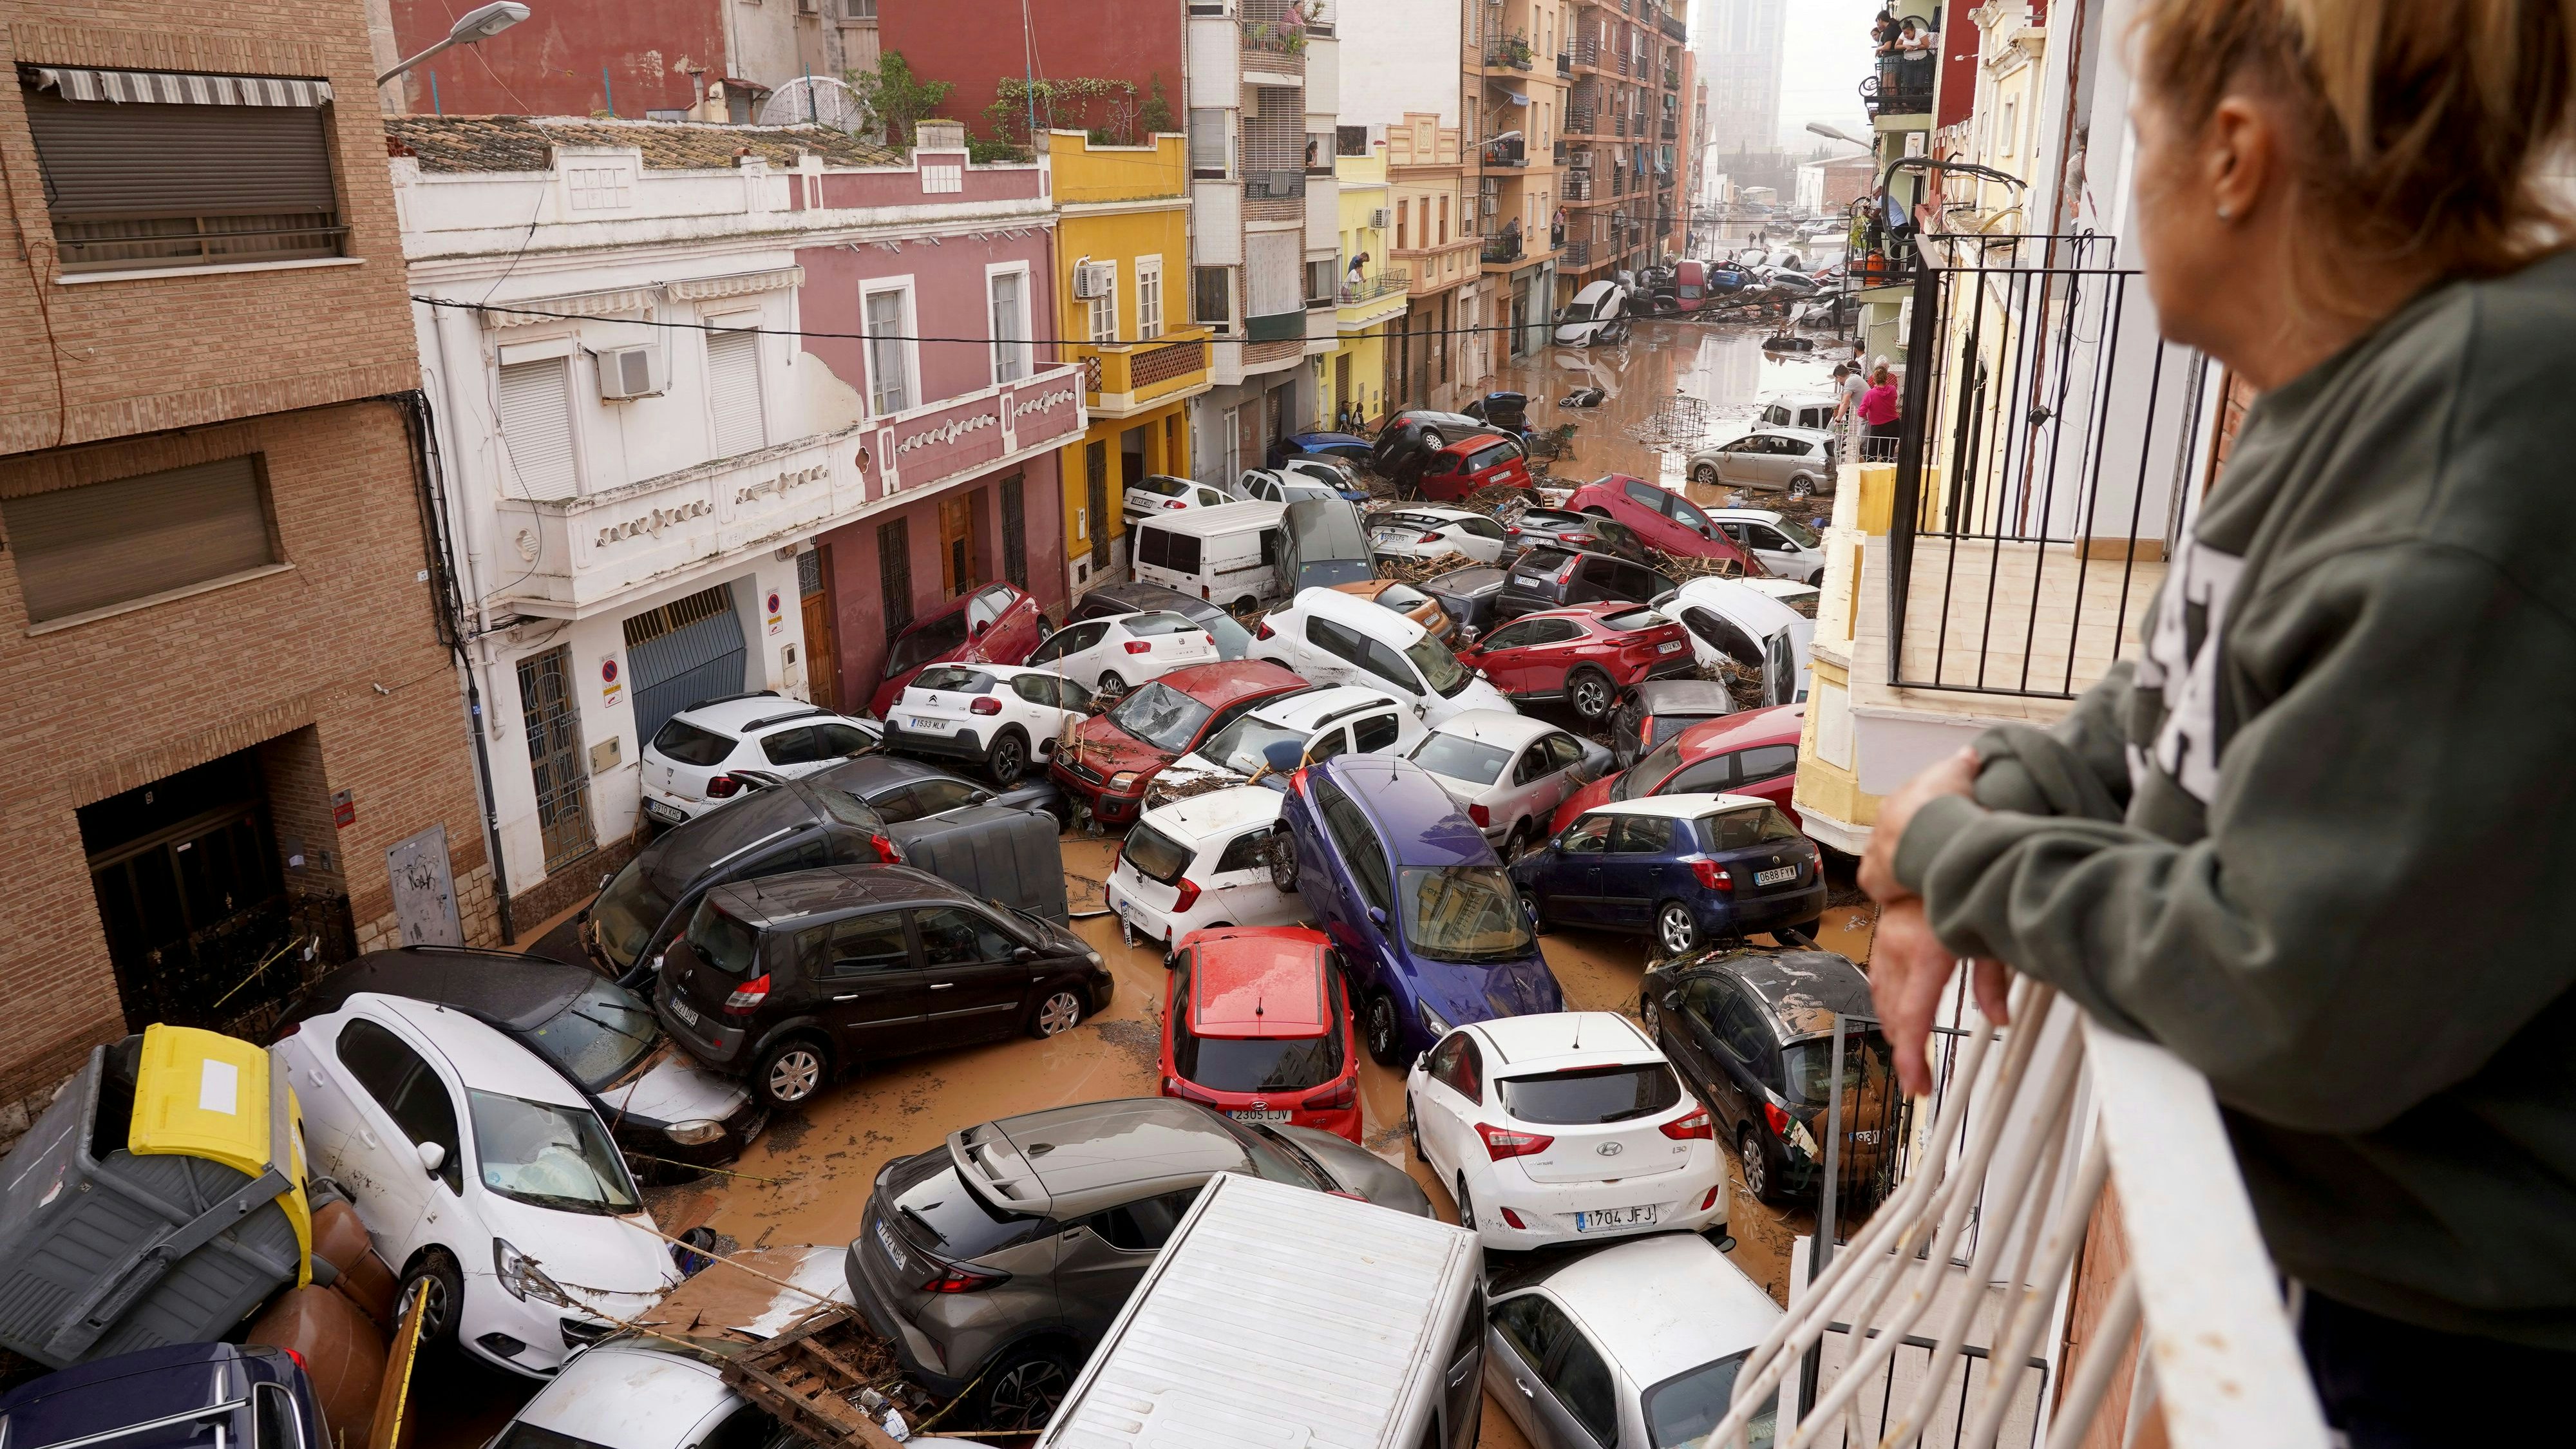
(1739, 44)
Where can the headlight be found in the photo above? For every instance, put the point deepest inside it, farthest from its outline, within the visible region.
(521, 1276)
(694, 1134)
(1123, 781)
(1094, 958)
(1432, 1021)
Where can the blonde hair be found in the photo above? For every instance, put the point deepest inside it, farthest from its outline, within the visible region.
(2422, 126)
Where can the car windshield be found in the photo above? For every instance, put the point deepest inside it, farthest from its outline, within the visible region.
(1254, 1064)
(1156, 856)
(548, 1156)
(928, 642)
(1440, 668)
(600, 1036)
(1684, 1408)
(686, 744)
(1810, 1067)
(1799, 533)
(1241, 746)
(627, 913)
(723, 942)
(1277, 1158)
(1460, 758)
(1463, 913)
(1642, 777)
(1161, 716)
(1588, 1096)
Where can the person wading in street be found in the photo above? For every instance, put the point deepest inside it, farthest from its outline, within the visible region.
(2318, 838)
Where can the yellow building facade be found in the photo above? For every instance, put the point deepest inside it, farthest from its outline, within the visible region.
(1371, 294)
(1122, 287)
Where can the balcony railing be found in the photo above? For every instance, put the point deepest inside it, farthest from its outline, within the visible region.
(1267, 37)
(1671, 128)
(1902, 87)
(1578, 121)
(1513, 51)
(1273, 185)
(1384, 284)
(1132, 374)
(1502, 248)
(1574, 255)
(1588, 52)
(1577, 186)
(1509, 152)
(1672, 78)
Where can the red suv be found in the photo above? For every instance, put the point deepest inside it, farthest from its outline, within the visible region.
(1662, 518)
(1255, 1026)
(1113, 756)
(996, 624)
(1486, 460)
(1754, 753)
(1588, 655)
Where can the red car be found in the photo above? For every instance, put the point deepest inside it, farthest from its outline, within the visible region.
(1754, 753)
(1588, 655)
(1255, 1026)
(996, 624)
(1112, 756)
(1486, 460)
(1662, 518)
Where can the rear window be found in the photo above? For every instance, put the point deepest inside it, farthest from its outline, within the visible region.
(928, 642)
(953, 680)
(1546, 561)
(939, 1211)
(1403, 598)
(1633, 619)
(1158, 483)
(1156, 856)
(1461, 758)
(1181, 553)
(1592, 1095)
(1810, 1065)
(1256, 1064)
(723, 942)
(1743, 829)
(690, 745)
(1493, 457)
(1150, 626)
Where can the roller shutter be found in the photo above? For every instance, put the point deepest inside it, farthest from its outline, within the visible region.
(536, 428)
(101, 544)
(733, 380)
(681, 653)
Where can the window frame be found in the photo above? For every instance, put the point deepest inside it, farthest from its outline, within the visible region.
(1024, 345)
(908, 349)
(1100, 314)
(1149, 285)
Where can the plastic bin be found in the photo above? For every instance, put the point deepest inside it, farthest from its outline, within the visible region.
(1012, 856)
(160, 1199)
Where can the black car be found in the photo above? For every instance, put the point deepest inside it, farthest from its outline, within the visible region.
(790, 979)
(603, 1038)
(1414, 435)
(1659, 709)
(1110, 600)
(1751, 1031)
(251, 1394)
(1588, 532)
(1467, 596)
(1550, 577)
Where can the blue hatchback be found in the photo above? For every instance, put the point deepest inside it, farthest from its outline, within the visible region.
(1351, 448)
(171, 1397)
(1415, 899)
(1688, 870)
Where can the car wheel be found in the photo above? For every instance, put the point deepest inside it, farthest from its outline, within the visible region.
(440, 1289)
(1802, 487)
(1385, 1034)
(1044, 628)
(1283, 863)
(1111, 685)
(1413, 1130)
(1024, 1390)
(1466, 1205)
(1431, 439)
(1592, 694)
(1007, 760)
(1246, 604)
(1704, 473)
(1676, 929)
(1652, 1015)
(1056, 1013)
(1529, 908)
(792, 1071)
(1515, 840)
(1757, 1168)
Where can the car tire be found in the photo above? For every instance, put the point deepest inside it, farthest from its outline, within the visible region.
(434, 1275)
(1413, 1130)
(1759, 1179)
(1592, 694)
(1704, 473)
(1283, 863)
(1246, 604)
(1057, 1012)
(1432, 440)
(1802, 487)
(1023, 1388)
(1466, 1205)
(1112, 684)
(791, 1071)
(1044, 628)
(1383, 1031)
(1676, 929)
(1537, 918)
(1515, 840)
(1008, 759)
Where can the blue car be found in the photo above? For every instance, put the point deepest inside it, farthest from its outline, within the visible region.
(1687, 870)
(179, 1394)
(1351, 448)
(1414, 898)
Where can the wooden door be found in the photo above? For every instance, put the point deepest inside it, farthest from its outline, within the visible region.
(956, 546)
(1341, 385)
(822, 650)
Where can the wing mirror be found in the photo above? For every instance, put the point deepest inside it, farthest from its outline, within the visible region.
(979, 627)
(1377, 915)
(1024, 953)
(432, 1157)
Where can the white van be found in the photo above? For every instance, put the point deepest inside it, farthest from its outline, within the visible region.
(1280, 1316)
(1227, 554)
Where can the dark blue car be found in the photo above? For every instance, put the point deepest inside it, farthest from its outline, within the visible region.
(178, 1396)
(1349, 447)
(1415, 899)
(1685, 869)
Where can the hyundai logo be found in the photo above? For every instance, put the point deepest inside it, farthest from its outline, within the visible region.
(1608, 1149)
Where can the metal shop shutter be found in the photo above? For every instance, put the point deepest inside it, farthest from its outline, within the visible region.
(536, 426)
(106, 159)
(86, 548)
(733, 381)
(683, 652)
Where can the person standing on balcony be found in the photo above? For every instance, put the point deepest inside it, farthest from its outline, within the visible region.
(1879, 416)
(1848, 391)
(2316, 838)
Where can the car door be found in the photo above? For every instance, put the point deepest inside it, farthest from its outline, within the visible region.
(1551, 758)
(1574, 879)
(1629, 878)
(1695, 525)
(1740, 463)
(1536, 1360)
(1462, 1398)
(976, 983)
(1484, 541)
(869, 985)
(1375, 734)
(1070, 651)
(1100, 1258)
(1503, 654)
(402, 1103)
(1777, 553)
(1448, 1103)
(1648, 518)
(1769, 772)
(1333, 652)
(1241, 880)
(1722, 1081)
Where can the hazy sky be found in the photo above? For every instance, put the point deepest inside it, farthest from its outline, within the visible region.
(1828, 52)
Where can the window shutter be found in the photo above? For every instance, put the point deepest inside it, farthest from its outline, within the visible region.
(733, 381)
(1273, 269)
(162, 185)
(101, 544)
(536, 429)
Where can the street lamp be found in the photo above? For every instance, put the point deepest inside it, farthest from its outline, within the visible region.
(478, 24)
(1831, 134)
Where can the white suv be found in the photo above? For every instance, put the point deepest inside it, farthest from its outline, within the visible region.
(1200, 862)
(687, 764)
(1338, 638)
(1000, 718)
(1310, 724)
(1788, 548)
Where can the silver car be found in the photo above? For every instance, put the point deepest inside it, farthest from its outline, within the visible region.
(1797, 461)
(1507, 771)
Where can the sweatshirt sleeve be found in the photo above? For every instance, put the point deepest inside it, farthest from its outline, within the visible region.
(2076, 767)
(2381, 899)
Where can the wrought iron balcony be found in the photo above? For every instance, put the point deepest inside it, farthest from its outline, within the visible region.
(1385, 283)
(1502, 248)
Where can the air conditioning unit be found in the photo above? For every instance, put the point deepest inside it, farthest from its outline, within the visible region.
(1094, 279)
(630, 372)
(1377, 219)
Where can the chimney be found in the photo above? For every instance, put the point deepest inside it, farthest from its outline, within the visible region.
(939, 135)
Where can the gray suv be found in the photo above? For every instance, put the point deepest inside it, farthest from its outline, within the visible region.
(1004, 1256)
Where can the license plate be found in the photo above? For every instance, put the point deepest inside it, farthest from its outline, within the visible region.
(893, 1249)
(1867, 1138)
(1784, 874)
(1626, 1217)
(1272, 1114)
(1669, 646)
(684, 1011)
(929, 724)
(660, 811)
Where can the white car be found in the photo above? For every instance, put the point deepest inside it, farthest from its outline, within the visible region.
(1001, 718)
(1509, 772)
(1802, 597)
(1112, 656)
(1731, 619)
(1337, 638)
(1564, 1126)
(688, 763)
(1788, 548)
(1199, 862)
(1811, 410)
(1800, 462)
(1160, 493)
(1298, 727)
(482, 1172)
(1598, 313)
(1637, 1344)
(1291, 484)
(1431, 533)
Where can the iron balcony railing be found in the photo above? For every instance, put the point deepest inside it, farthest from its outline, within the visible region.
(1502, 248)
(1383, 284)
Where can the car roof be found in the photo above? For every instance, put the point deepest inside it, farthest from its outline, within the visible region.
(769, 900)
(1595, 289)
(1217, 517)
(1779, 588)
(1679, 807)
(953, 606)
(629, 1396)
(519, 993)
(1748, 727)
(1474, 441)
(1218, 812)
(1259, 982)
(1752, 515)
(1663, 1303)
(1360, 614)
(1562, 1039)
(1804, 435)
(1432, 510)
(124, 1392)
(1310, 439)
(1081, 1150)
(1752, 608)
(1225, 681)
(1307, 708)
(1501, 727)
(1417, 818)
(862, 773)
(482, 1056)
(1684, 696)
(1804, 989)
(1140, 598)
(743, 713)
(1798, 399)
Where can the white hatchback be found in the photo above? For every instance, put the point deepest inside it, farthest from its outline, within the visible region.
(1112, 656)
(1302, 726)
(1433, 533)
(482, 1172)
(687, 766)
(1571, 1125)
(1160, 493)
(1336, 638)
(1509, 772)
(1202, 861)
(1787, 547)
(1001, 718)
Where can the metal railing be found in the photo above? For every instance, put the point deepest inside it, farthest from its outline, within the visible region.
(1512, 152)
(1381, 285)
(1502, 249)
(1513, 51)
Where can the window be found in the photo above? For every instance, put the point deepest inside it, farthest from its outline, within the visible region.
(733, 390)
(1015, 531)
(274, 1422)
(1588, 836)
(536, 429)
(1009, 296)
(869, 943)
(1374, 734)
(1350, 141)
(103, 544)
(1208, 151)
(407, 1088)
(1764, 762)
(859, 9)
(1444, 222)
(1709, 776)
(133, 181)
(1245, 851)
(1319, 283)
(1143, 1225)
(889, 352)
(1104, 308)
(1641, 835)
(957, 936)
(1403, 220)
(1212, 296)
(1149, 299)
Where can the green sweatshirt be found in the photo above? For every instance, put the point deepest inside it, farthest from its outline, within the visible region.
(2319, 840)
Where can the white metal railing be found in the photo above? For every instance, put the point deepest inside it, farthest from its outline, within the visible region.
(1980, 1238)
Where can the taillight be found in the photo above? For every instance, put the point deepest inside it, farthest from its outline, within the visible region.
(1428, 538)
(299, 1360)
(1139, 646)
(885, 849)
(1502, 1142)
(987, 705)
(1189, 1091)
(1482, 816)
(722, 787)
(1511, 533)
(1335, 1098)
(1265, 631)
(1694, 1126)
(748, 996)
(961, 1279)
(1711, 875)
(1187, 894)
(1175, 503)
(1512, 1219)
(1778, 1119)
(290, 1029)
(1710, 1201)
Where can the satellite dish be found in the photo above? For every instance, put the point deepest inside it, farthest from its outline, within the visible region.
(814, 101)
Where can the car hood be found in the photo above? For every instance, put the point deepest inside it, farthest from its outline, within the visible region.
(1107, 749)
(1464, 993)
(612, 1264)
(671, 1088)
(1479, 694)
(1360, 1171)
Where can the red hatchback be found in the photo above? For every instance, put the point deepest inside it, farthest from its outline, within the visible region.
(1255, 1026)
(1588, 655)
(996, 624)
(1486, 460)
(1754, 753)
(1113, 756)
(1662, 518)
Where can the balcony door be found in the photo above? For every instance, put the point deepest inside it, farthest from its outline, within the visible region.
(956, 546)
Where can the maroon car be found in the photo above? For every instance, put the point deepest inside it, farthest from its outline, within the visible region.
(996, 624)
(1588, 655)
(1113, 756)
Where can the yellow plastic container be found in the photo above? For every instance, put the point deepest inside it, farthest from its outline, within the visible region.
(203, 1094)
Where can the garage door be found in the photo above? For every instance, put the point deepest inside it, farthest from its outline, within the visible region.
(681, 653)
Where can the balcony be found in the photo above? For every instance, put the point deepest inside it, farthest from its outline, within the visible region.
(1374, 299)
(1273, 51)
(1501, 250)
(1512, 53)
(1578, 121)
(1672, 78)
(1384, 284)
(1439, 267)
(1273, 185)
(1505, 151)
(1276, 327)
(1902, 87)
(1587, 54)
(1126, 378)
(1576, 185)
(1574, 256)
(1672, 129)
(1673, 28)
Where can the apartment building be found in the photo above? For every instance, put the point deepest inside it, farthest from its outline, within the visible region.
(1372, 296)
(233, 700)
(1624, 121)
(708, 60)
(1520, 65)
(1402, 80)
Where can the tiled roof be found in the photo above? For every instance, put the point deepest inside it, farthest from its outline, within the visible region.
(525, 143)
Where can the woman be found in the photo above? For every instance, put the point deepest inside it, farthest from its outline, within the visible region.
(2315, 839)
(1878, 415)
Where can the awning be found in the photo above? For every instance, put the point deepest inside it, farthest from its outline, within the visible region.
(176, 88)
(1516, 98)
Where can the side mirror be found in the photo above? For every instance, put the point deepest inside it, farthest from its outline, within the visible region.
(1024, 953)
(979, 627)
(605, 878)
(1377, 915)
(432, 1157)
(1673, 1000)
